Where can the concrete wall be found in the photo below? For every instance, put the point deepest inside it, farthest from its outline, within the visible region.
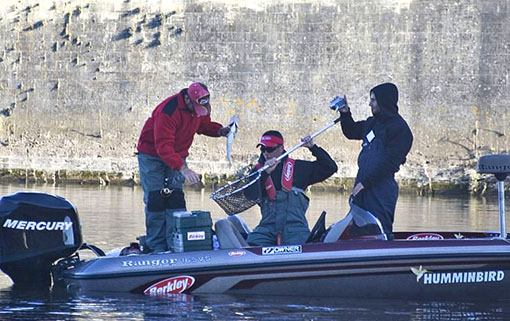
(78, 78)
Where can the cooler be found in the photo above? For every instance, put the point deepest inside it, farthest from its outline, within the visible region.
(192, 231)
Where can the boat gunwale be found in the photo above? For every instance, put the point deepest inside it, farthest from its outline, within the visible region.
(315, 258)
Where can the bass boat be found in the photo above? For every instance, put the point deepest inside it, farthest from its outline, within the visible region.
(41, 244)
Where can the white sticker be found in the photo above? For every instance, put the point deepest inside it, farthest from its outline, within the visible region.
(429, 277)
(285, 249)
(370, 136)
(196, 236)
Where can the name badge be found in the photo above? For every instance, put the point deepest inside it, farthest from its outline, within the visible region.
(370, 136)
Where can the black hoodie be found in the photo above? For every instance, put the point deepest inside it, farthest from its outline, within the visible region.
(386, 127)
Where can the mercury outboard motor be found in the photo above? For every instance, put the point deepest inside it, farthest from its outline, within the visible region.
(36, 229)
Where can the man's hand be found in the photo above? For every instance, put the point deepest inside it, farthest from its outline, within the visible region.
(189, 175)
(308, 141)
(272, 163)
(224, 131)
(357, 189)
(346, 108)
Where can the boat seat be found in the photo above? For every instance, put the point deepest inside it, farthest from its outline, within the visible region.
(240, 225)
(228, 235)
(358, 224)
(334, 233)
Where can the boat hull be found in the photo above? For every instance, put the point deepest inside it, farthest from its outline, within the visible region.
(430, 269)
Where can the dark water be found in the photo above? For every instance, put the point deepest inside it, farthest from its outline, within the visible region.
(113, 216)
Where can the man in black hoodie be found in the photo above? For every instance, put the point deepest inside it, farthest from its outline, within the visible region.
(387, 140)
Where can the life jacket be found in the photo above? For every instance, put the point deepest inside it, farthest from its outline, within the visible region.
(287, 178)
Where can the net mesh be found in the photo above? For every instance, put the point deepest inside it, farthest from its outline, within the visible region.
(239, 195)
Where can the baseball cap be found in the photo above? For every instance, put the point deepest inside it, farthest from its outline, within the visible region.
(199, 96)
(270, 139)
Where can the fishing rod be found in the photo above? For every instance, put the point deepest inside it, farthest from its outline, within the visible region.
(234, 198)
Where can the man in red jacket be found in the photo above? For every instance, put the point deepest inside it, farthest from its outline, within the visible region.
(162, 148)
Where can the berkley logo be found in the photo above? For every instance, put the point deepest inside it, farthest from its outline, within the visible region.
(236, 253)
(39, 226)
(425, 236)
(196, 236)
(429, 277)
(288, 171)
(173, 285)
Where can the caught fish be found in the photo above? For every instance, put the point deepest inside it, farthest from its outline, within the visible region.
(234, 126)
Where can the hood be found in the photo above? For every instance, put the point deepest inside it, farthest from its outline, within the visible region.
(387, 98)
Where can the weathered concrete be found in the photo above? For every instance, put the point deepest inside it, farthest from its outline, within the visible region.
(78, 78)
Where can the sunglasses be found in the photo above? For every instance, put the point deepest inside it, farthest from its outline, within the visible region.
(268, 149)
(204, 100)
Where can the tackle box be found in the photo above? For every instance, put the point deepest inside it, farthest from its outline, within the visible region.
(192, 231)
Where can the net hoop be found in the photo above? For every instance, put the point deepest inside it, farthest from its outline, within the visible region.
(232, 197)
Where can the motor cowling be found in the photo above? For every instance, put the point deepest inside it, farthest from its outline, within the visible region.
(36, 229)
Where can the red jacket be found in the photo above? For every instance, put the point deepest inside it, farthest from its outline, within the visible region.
(169, 132)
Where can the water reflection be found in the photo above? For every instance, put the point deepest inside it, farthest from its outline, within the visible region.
(224, 307)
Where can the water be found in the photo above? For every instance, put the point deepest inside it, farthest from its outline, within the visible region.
(113, 216)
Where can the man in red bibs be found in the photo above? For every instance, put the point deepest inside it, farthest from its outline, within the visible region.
(284, 203)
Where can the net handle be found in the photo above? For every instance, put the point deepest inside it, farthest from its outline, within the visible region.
(215, 196)
(257, 173)
(312, 136)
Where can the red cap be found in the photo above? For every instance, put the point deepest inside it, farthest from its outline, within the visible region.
(270, 141)
(196, 92)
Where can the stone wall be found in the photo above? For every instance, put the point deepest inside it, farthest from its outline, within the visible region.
(78, 78)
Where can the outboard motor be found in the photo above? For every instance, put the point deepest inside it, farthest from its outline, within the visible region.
(36, 229)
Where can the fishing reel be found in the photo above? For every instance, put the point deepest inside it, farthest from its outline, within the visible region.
(166, 191)
(337, 103)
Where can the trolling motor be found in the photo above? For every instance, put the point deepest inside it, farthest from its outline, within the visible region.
(499, 165)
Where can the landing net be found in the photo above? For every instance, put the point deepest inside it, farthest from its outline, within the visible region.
(239, 195)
